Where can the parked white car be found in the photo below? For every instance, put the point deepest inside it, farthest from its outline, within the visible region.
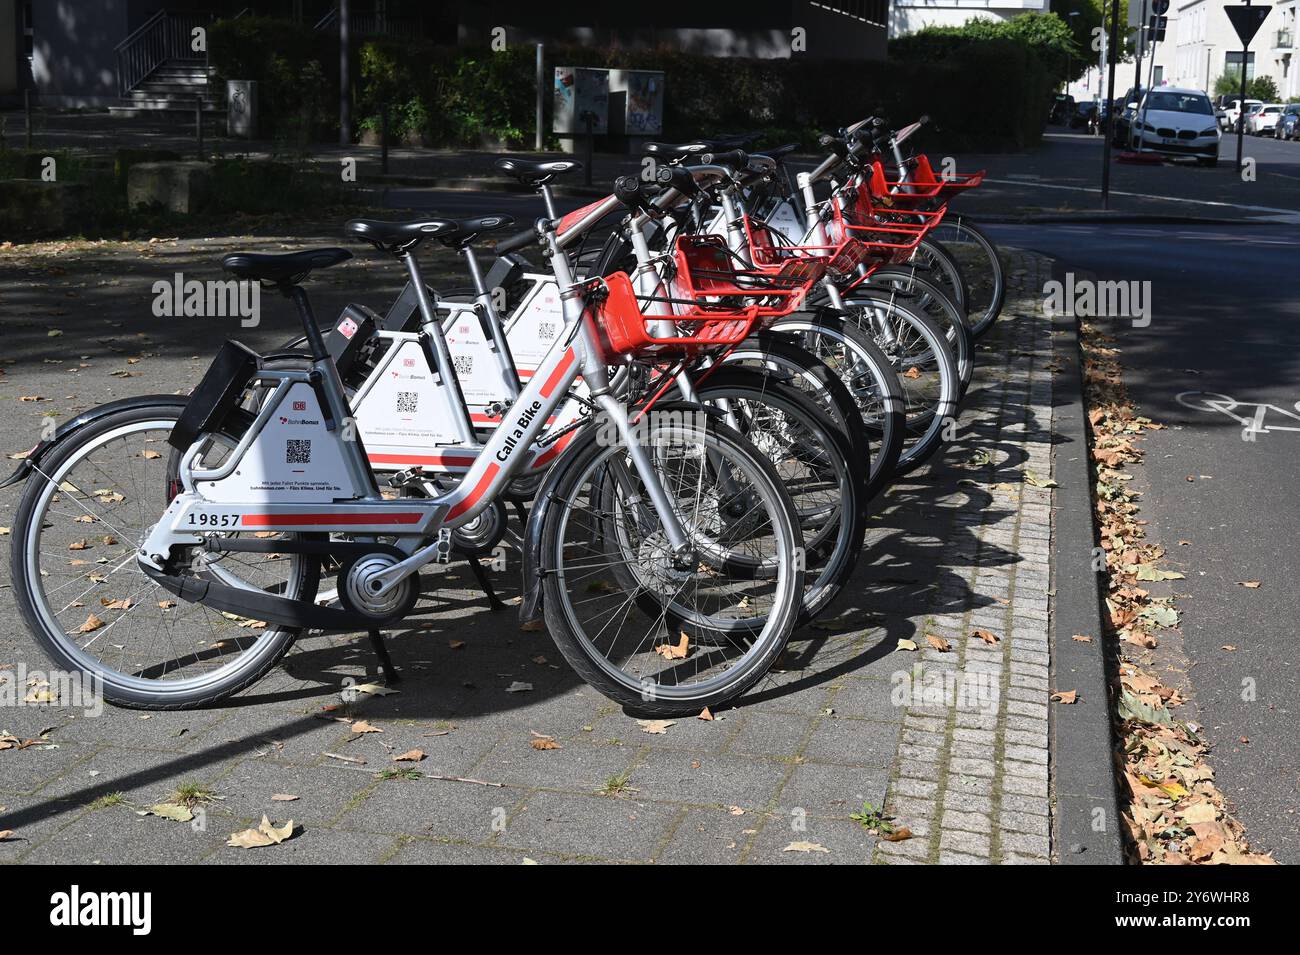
(1232, 112)
(1264, 119)
(1177, 122)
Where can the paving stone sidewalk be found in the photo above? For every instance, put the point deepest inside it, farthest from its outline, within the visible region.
(846, 718)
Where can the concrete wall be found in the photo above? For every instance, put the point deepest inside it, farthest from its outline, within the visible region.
(749, 28)
(12, 62)
(73, 58)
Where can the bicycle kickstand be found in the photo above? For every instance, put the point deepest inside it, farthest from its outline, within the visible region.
(385, 661)
(494, 602)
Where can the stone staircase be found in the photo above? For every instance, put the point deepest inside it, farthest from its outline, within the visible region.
(169, 92)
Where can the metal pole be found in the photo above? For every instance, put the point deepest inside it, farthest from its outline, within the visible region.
(590, 119)
(27, 110)
(383, 138)
(1139, 44)
(345, 78)
(1241, 110)
(1110, 132)
(198, 123)
(541, 87)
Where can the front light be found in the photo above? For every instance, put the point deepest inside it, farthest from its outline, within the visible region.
(1209, 132)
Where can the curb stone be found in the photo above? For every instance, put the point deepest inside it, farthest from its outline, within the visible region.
(1083, 744)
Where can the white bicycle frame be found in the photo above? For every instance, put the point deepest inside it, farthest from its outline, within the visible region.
(363, 511)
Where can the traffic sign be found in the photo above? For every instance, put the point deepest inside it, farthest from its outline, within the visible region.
(1160, 7)
(1246, 20)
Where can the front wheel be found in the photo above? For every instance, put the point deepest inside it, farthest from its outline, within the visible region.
(662, 633)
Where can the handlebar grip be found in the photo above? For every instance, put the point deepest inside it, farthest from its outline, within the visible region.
(629, 191)
(679, 178)
(733, 159)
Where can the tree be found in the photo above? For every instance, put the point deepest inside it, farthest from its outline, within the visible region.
(1259, 87)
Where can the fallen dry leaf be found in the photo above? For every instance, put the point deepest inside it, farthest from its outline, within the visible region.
(410, 756)
(986, 635)
(1249, 584)
(284, 797)
(1065, 696)
(805, 847)
(1081, 638)
(655, 727)
(938, 643)
(678, 652)
(361, 726)
(264, 835)
(92, 623)
(898, 835)
(705, 715)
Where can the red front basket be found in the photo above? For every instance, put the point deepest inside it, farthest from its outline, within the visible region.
(622, 330)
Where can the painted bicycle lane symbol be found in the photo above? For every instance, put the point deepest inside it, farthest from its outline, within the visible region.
(1250, 415)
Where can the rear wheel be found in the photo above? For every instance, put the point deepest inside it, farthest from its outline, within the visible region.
(90, 606)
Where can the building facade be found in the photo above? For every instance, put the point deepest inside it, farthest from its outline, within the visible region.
(1201, 45)
(908, 16)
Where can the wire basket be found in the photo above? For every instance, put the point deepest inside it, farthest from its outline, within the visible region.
(712, 302)
(623, 331)
(772, 252)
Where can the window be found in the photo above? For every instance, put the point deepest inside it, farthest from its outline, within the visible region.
(1232, 64)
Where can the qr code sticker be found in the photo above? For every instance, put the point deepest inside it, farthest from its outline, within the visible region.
(297, 451)
(408, 402)
(464, 364)
(546, 330)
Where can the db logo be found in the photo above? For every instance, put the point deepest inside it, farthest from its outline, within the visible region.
(408, 362)
(300, 406)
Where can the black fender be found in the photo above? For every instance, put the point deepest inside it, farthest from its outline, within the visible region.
(45, 446)
(530, 607)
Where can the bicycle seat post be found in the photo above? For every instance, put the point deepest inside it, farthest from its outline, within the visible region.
(443, 369)
(308, 318)
(544, 188)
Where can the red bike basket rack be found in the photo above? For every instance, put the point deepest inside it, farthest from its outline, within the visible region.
(623, 331)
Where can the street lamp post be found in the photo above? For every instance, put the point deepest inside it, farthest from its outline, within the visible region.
(1069, 58)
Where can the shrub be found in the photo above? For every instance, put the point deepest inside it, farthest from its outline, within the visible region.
(296, 74)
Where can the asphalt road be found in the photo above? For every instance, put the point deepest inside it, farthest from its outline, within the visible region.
(1066, 170)
(1224, 319)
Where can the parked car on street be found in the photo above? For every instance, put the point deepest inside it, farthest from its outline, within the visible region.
(1060, 109)
(1288, 125)
(1262, 121)
(1176, 122)
(1232, 112)
(1125, 107)
(1084, 116)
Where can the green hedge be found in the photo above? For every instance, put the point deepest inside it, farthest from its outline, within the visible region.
(296, 69)
(985, 93)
